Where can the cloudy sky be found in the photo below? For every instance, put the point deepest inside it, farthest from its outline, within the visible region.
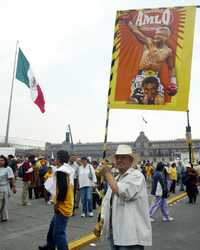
(69, 45)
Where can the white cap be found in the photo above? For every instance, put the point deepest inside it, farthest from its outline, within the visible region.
(124, 150)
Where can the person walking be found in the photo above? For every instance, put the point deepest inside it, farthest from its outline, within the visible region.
(160, 191)
(48, 175)
(27, 178)
(63, 205)
(34, 182)
(180, 172)
(173, 177)
(6, 177)
(149, 173)
(12, 162)
(191, 183)
(125, 205)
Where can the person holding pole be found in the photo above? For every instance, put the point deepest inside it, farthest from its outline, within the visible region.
(125, 205)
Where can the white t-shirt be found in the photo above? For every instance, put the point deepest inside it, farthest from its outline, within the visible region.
(83, 176)
(5, 175)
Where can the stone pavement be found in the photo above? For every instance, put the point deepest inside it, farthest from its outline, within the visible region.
(181, 234)
(27, 227)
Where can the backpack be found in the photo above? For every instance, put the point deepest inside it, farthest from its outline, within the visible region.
(21, 171)
(42, 171)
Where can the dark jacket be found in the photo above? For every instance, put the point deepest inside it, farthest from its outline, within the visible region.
(159, 177)
(192, 177)
(27, 176)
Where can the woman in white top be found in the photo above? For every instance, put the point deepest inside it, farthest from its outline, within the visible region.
(6, 177)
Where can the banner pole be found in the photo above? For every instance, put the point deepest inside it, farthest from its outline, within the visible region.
(11, 95)
(106, 132)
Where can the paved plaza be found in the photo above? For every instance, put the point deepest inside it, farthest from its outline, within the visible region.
(27, 227)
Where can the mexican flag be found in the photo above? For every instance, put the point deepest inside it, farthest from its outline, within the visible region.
(25, 74)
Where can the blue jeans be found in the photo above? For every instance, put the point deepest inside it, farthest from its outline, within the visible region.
(162, 204)
(180, 179)
(56, 236)
(86, 199)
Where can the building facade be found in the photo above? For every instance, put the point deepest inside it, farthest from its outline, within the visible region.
(166, 150)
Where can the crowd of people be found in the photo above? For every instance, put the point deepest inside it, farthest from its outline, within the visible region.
(129, 189)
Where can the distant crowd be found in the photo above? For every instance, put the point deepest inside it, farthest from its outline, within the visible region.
(88, 185)
(40, 178)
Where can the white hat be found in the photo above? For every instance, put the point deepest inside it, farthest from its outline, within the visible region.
(124, 150)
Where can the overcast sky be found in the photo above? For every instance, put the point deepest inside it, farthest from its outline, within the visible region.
(69, 45)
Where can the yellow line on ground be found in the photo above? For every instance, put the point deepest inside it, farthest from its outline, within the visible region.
(87, 239)
(83, 241)
(176, 198)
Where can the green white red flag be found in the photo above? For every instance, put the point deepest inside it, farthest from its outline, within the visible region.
(25, 74)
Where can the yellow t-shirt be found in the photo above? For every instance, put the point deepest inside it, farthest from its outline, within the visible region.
(66, 207)
(47, 175)
(149, 171)
(172, 174)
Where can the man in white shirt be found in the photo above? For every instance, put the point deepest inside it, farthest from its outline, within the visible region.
(87, 180)
(125, 205)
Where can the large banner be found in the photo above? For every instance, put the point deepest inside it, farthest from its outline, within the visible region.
(151, 62)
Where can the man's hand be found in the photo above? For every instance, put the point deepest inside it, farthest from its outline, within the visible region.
(56, 209)
(14, 190)
(104, 168)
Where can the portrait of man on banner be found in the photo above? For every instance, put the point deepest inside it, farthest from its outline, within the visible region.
(150, 48)
(146, 87)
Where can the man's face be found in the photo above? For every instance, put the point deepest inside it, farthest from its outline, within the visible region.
(123, 162)
(162, 35)
(150, 90)
(78, 161)
(73, 158)
(43, 162)
(84, 162)
(2, 162)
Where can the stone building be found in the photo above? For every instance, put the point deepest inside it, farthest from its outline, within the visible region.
(166, 150)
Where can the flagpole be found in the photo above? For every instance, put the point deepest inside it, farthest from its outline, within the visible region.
(11, 95)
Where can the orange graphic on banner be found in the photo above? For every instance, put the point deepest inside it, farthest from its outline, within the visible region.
(150, 70)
